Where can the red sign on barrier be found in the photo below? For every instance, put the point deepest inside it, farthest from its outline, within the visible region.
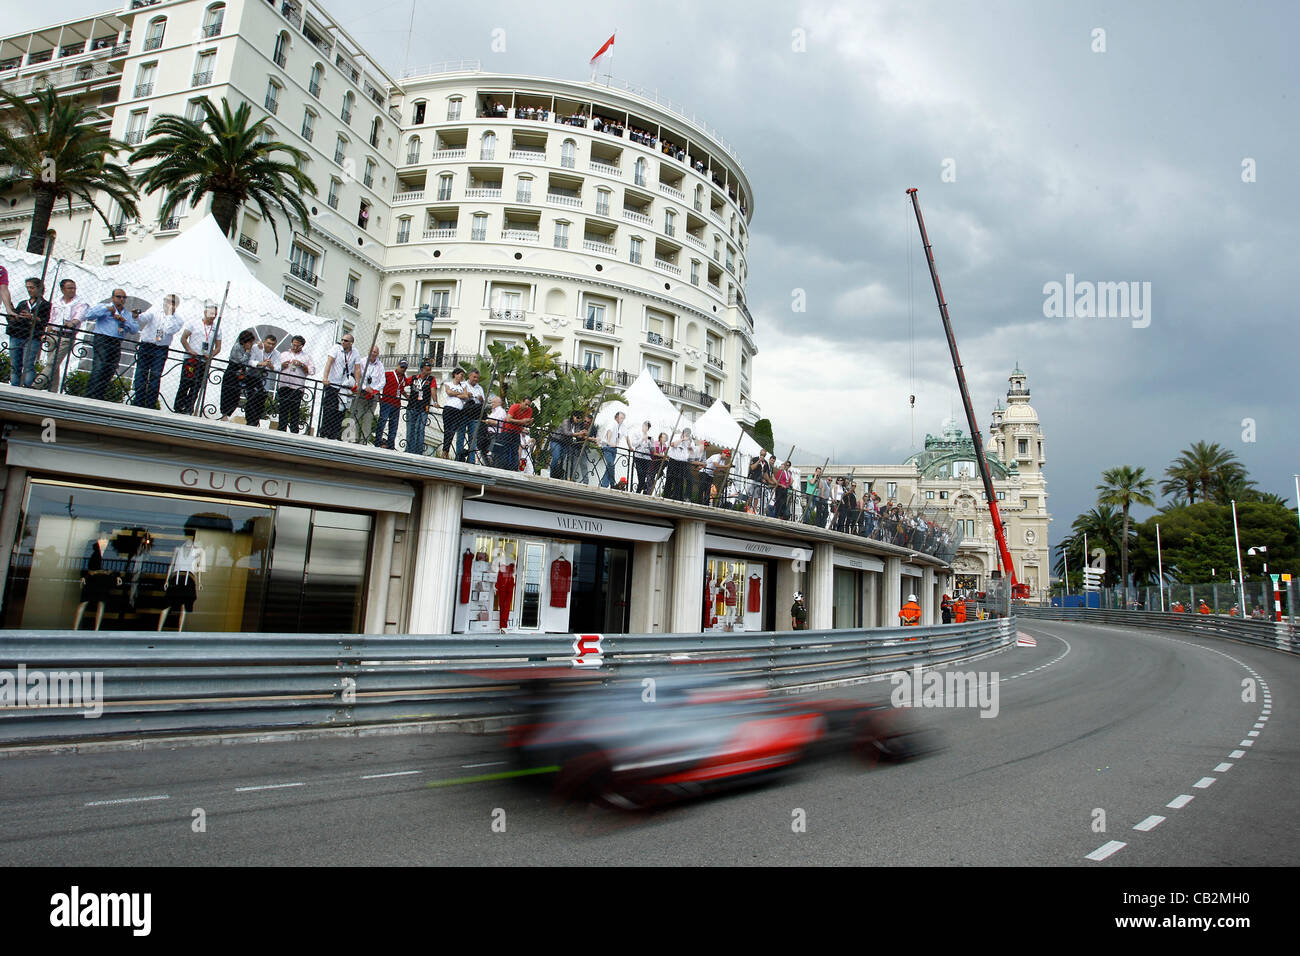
(586, 650)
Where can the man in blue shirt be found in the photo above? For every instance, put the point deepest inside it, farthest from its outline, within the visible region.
(110, 322)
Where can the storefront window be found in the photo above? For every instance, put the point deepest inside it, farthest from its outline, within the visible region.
(847, 609)
(735, 594)
(90, 557)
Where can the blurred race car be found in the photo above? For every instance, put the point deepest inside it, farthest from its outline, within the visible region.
(619, 747)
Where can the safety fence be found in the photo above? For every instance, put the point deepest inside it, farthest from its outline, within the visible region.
(152, 684)
(1218, 597)
(1282, 636)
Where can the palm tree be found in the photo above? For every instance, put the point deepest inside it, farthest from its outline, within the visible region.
(57, 152)
(224, 154)
(1103, 526)
(1124, 487)
(1201, 469)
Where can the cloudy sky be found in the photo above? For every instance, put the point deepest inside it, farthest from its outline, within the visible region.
(1110, 141)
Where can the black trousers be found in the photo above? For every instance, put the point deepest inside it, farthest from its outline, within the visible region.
(331, 415)
(289, 403)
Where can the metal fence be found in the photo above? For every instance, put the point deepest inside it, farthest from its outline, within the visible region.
(157, 684)
(1220, 597)
(1282, 636)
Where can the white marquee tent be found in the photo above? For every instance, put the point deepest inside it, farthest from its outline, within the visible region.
(719, 428)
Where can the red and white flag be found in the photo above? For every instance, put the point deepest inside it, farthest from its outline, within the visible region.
(605, 48)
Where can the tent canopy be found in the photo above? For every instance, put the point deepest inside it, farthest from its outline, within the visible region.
(719, 428)
(641, 402)
(200, 252)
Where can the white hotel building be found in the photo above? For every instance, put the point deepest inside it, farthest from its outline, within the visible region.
(619, 251)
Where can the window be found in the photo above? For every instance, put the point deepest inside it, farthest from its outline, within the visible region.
(453, 108)
(638, 171)
(194, 111)
(417, 113)
(313, 82)
(403, 231)
(363, 215)
(154, 38)
(308, 125)
(348, 101)
(699, 199)
(929, 496)
(135, 125)
(144, 79)
(670, 219)
(281, 49)
(591, 360)
(333, 198)
(695, 272)
(112, 260)
(375, 127)
(302, 263)
(596, 318)
(970, 527)
(350, 292)
(1022, 447)
(340, 149)
(635, 250)
(943, 496)
(395, 301)
(569, 154)
(444, 187)
(892, 489)
(488, 147)
(369, 178)
(213, 19)
(440, 304)
(272, 96)
(524, 193)
(479, 232)
(412, 150)
(656, 371)
(561, 235)
(602, 202)
(1002, 496)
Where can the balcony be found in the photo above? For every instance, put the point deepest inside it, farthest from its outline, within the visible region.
(212, 30)
(316, 40)
(559, 199)
(374, 94)
(201, 79)
(604, 248)
(137, 4)
(338, 154)
(291, 12)
(248, 243)
(449, 153)
(411, 195)
(151, 43)
(45, 56)
(599, 325)
(341, 62)
(134, 137)
(656, 339)
(507, 315)
(440, 233)
(602, 209)
(714, 361)
(520, 235)
(314, 89)
(440, 312)
(666, 266)
(117, 231)
(529, 155)
(598, 167)
(412, 157)
(714, 287)
(346, 115)
(352, 300)
(694, 240)
(483, 193)
(672, 191)
(634, 216)
(272, 104)
(143, 89)
(279, 59)
(332, 200)
(307, 132)
(303, 273)
(171, 224)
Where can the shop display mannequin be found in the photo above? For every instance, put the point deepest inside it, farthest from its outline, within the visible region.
(184, 579)
(95, 584)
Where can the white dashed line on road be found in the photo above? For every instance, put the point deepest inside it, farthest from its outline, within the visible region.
(1180, 801)
(1150, 823)
(490, 763)
(1236, 754)
(109, 803)
(1246, 743)
(395, 773)
(1204, 782)
(268, 786)
(1105, 850)
(1252, 733)
(1222, 767)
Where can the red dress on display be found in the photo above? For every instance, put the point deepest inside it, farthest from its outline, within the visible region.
(754, 600)
(561, 577)
(731, 593)
(505, 592)
(466, 564)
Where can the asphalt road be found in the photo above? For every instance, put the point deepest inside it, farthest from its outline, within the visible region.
(1098, 731)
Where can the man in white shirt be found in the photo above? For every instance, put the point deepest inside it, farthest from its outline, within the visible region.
(66, 314)
(261, 378)
(679, 452)
(611, 439)
(157, 327)
(715, 467)
(492, 425)
(471, 410)
(340, 379)
(370, 381)
(200, 340)
(296, 367)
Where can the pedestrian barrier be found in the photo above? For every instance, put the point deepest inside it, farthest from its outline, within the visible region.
(165, 684)
(1280, 635)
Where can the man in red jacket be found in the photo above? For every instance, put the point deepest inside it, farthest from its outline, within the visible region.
(390, 405)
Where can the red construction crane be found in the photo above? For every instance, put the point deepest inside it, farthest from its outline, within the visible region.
(1009, 569)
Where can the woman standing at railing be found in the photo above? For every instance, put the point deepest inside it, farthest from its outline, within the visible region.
(232, 380)
(641, 445)
(658, 460)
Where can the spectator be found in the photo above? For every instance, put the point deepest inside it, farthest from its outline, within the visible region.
(5, 301)
(420, 391)
(111, 323)
(235, 379)
(470, 414)
(611, 440)
(199, 339)
(370, 383)
(798, 613)
(26, 327)
(340, 380)
(263, 376)
(562, 447)
(67, 312)
(156, 332)
(641, 445)
(390, 404)
(713, 477)
(452, 404)
(659, 459)
(490, 437)
(679, 453)
(782, 480)
(513, 431)
(295, 368)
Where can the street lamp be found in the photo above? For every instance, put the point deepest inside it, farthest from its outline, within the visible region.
(423, 328)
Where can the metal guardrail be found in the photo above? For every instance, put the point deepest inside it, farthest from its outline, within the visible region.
(1278, 635)
(157, 684)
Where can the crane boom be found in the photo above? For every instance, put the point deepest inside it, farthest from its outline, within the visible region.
(1017, 590)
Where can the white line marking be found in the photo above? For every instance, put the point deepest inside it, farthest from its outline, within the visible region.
(1150, 823)
(1222, 767)
(109, 803)
(490, 763)
(1252, 733)
(1203, 783)
(1246, 743)
(1259, 726)
(1180, 801)
(1237, 754)
(395, 773)
(1105, 850)
(268, 786)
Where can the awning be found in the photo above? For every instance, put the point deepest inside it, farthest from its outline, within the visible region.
(566, 524)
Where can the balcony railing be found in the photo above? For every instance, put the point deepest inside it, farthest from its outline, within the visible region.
(272, 105)
(319, 42)
(314, 89)
(672, 191)
(171, 224)
(635, 216)
(562, 200)
(143, 89)
(596, 166)
(714, 287)
(599, 325)
(412, 157)
(655, 338)
(332, 200)
(693, 239)
(45, 56)
(507, 315)
(307, 132)
(134, 137)
(117, 230)
(291, 12)
(152, 43)
(201, 79)
(440, 233)
(374, 94)
(279, 59)
(667, 266)
(410, 195)
(521, 235)
(345, 114)
(670, 229)
(714, 361)
(602, 209)
(303, 273)
(592, 245)
(248, 242)
(338, 156)
(352, 300)
(529, 155)
(449, 153)
(561, 242)
(523, 194)
(483, 193)
(212, 29)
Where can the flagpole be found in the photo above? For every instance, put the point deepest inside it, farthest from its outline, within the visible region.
(609, 67)
(1160, 563)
